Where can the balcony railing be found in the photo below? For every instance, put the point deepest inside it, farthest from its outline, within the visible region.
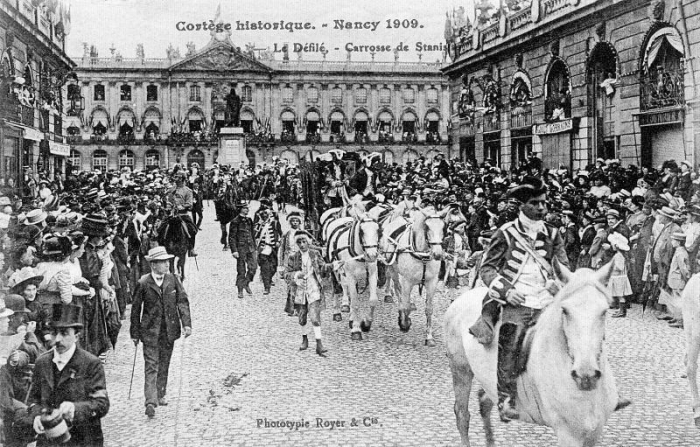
(662, 88)
(288, 137)
(313, 138)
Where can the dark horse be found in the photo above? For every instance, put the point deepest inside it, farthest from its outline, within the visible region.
(174, 235)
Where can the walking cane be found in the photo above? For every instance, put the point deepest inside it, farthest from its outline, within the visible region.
(133, 368)
(196, 263)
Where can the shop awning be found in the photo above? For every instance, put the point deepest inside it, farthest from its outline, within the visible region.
(361, 116)
(408, 117)
(337, 116)
(287, 115)
(312, 116)
(29, 132)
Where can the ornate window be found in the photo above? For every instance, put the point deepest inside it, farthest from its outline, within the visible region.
(75, 160)
(152, 93)
(287, 95)
(431, 96)
(662, 70)
(492, 95)
(195, 93)
(312, 95)
(409, 96)
(196, 156)
(125, 93)
(557, 103)
(99, 160)
(385, 96)
(337, 95)
(99, 92)
(152, 160)
(126, 159)
(247, 94)
(361, 96)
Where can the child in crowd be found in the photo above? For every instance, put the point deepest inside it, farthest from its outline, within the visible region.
(620, 287)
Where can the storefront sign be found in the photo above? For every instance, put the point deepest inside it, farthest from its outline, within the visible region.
(660, 118)
(59, 149)
(553, 127)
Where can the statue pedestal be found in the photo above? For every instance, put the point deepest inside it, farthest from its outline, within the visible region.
(232, 148)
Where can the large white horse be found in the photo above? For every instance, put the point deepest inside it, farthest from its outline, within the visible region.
(691, 324)
(353, 242)
(413, 251)
(567, 384)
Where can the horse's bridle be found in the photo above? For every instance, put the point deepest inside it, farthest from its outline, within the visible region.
(364, 246)
(434, 216)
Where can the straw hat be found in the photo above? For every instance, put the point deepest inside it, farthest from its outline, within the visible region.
(158, 254)
(23, 277)
(35, 217)
(668, 212)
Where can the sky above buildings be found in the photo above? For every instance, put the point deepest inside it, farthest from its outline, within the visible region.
(384, 25)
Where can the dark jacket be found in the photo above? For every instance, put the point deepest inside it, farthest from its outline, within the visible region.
(168, 303)
(82, 382)
(241, 236)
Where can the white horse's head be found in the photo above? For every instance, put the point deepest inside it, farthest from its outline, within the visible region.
(369, 237)
(434, 227)
(583, 303)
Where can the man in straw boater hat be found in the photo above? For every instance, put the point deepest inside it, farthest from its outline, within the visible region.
(520, 281)
(160, 306)
(69, 385)
(303, 274)
(288, 246)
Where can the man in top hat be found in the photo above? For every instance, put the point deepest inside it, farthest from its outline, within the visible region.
(365, 181)
(181, 198)
(288, 247)
(71, 380)
(160, 307)
(241, 240)
(521, 283)
(303, 274)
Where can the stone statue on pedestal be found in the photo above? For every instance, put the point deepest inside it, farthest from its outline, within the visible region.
(233, 109)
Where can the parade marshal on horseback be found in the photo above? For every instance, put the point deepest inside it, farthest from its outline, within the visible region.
(553, 371)
(517, 268)
(181, 198)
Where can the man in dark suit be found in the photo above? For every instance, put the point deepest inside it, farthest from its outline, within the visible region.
(241, 240)
(365, 180)
(162, 300)
(70, 380)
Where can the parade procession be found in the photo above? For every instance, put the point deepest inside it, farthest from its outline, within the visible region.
(470, 224)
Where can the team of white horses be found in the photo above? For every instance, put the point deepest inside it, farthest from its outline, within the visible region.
(567, 383)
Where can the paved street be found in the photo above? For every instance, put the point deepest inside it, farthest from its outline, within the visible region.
(399, 390)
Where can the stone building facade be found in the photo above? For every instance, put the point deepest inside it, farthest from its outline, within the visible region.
(34, 74)
(144, 113)
(576, 80)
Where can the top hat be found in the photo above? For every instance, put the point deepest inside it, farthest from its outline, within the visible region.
(158, 254)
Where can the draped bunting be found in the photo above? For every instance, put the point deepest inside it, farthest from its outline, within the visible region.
(669, 35)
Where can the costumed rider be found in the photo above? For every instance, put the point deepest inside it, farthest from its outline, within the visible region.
(336, 176)
(517, 268)
(181, 198)
(303, 274)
